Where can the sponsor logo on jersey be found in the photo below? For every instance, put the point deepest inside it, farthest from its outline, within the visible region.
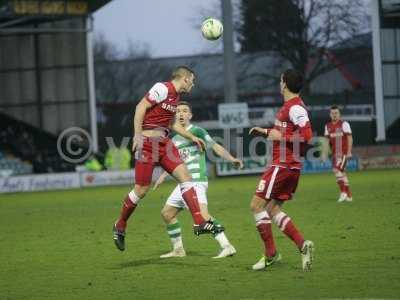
(184, 153)
(336, 134)
(169, 107)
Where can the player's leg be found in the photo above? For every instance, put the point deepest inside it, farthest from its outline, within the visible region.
(285, 186)
(286, 225)
(219, 232)
(169, 213)
(263, 224)
(143, 175)
(181, 174)
(174, 232)
(345, 179)
(340, 180)
(349, 197)
(283, 221)
(172, 163)
(338, 166)
(129, 204)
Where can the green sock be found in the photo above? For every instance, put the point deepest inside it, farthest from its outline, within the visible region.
(174, 232)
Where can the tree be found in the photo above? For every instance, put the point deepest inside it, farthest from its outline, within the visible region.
(300, 31)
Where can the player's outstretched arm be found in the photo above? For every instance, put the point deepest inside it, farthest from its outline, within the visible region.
(140, 112)
(179, 129)
(223, 153)
(160, 180)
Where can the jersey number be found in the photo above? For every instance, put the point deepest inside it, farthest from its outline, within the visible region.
(261, 185)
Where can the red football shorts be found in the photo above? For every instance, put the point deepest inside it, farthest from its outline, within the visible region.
(155, 151)
(278, 183)
(339, 163)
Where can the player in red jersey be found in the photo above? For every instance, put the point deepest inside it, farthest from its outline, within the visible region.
(154, 116)
(341, 141)
(290, 134)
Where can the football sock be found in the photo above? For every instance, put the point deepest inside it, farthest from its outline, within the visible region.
(174, 232)
(190, 197)
(340, 179)
(263, 223)
(346, 185)
(341, 185)
(128, 206)
(286, 225)
(221, 237)
(348, 191)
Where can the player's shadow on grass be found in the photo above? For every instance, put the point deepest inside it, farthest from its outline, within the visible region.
(159, 262)
(156, 260)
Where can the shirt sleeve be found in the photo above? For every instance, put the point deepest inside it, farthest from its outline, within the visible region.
(346, 128)
(205, 136)
(326, 131)
(298, 115)
(157, 94)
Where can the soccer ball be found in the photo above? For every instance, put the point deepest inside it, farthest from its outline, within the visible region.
(212, 29)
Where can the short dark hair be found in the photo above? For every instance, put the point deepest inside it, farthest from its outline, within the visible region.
(334, 107)
(294, 80)
(186, 104)
(181, 71)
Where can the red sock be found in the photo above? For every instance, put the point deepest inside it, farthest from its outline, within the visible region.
(190, 197)
(295, 235)
(127, 209)
(342, 187)
(267, 237)
(347, 190)
(286, 225)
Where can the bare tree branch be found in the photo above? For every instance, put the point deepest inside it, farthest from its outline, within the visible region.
(301, 30)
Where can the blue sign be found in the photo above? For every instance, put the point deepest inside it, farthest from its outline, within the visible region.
(318, 166)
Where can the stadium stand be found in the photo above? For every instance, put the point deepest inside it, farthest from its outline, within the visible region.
(10, 165)
(30, 149)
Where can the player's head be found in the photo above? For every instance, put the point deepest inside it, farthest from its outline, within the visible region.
(334, 113)
(184, 113)
(183, 77)
(291, 82)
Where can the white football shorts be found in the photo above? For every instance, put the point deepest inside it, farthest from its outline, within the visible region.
(176, 199)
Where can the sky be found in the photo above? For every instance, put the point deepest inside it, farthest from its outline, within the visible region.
(166, 27)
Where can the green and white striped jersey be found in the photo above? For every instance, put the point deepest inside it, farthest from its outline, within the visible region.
(190, 153)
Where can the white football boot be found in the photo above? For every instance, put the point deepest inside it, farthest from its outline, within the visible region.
(307, 255)
(178, 252)
(227, 251)
(342, 197)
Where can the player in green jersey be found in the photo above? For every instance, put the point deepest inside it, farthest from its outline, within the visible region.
(195, 161)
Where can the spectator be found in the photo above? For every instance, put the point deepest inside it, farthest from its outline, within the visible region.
(93, 165)
(118, 158)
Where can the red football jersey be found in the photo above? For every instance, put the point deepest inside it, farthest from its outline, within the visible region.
(337, 134)
(289, 119)
(164, 100)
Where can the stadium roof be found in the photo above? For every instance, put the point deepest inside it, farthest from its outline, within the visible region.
(16, 13)
(256, 74)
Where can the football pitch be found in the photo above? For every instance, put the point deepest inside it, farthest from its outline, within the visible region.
(58, 245)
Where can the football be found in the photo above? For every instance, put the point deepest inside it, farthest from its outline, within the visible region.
(212, 29)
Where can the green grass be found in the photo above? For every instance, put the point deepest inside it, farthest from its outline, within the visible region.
(58, 245)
